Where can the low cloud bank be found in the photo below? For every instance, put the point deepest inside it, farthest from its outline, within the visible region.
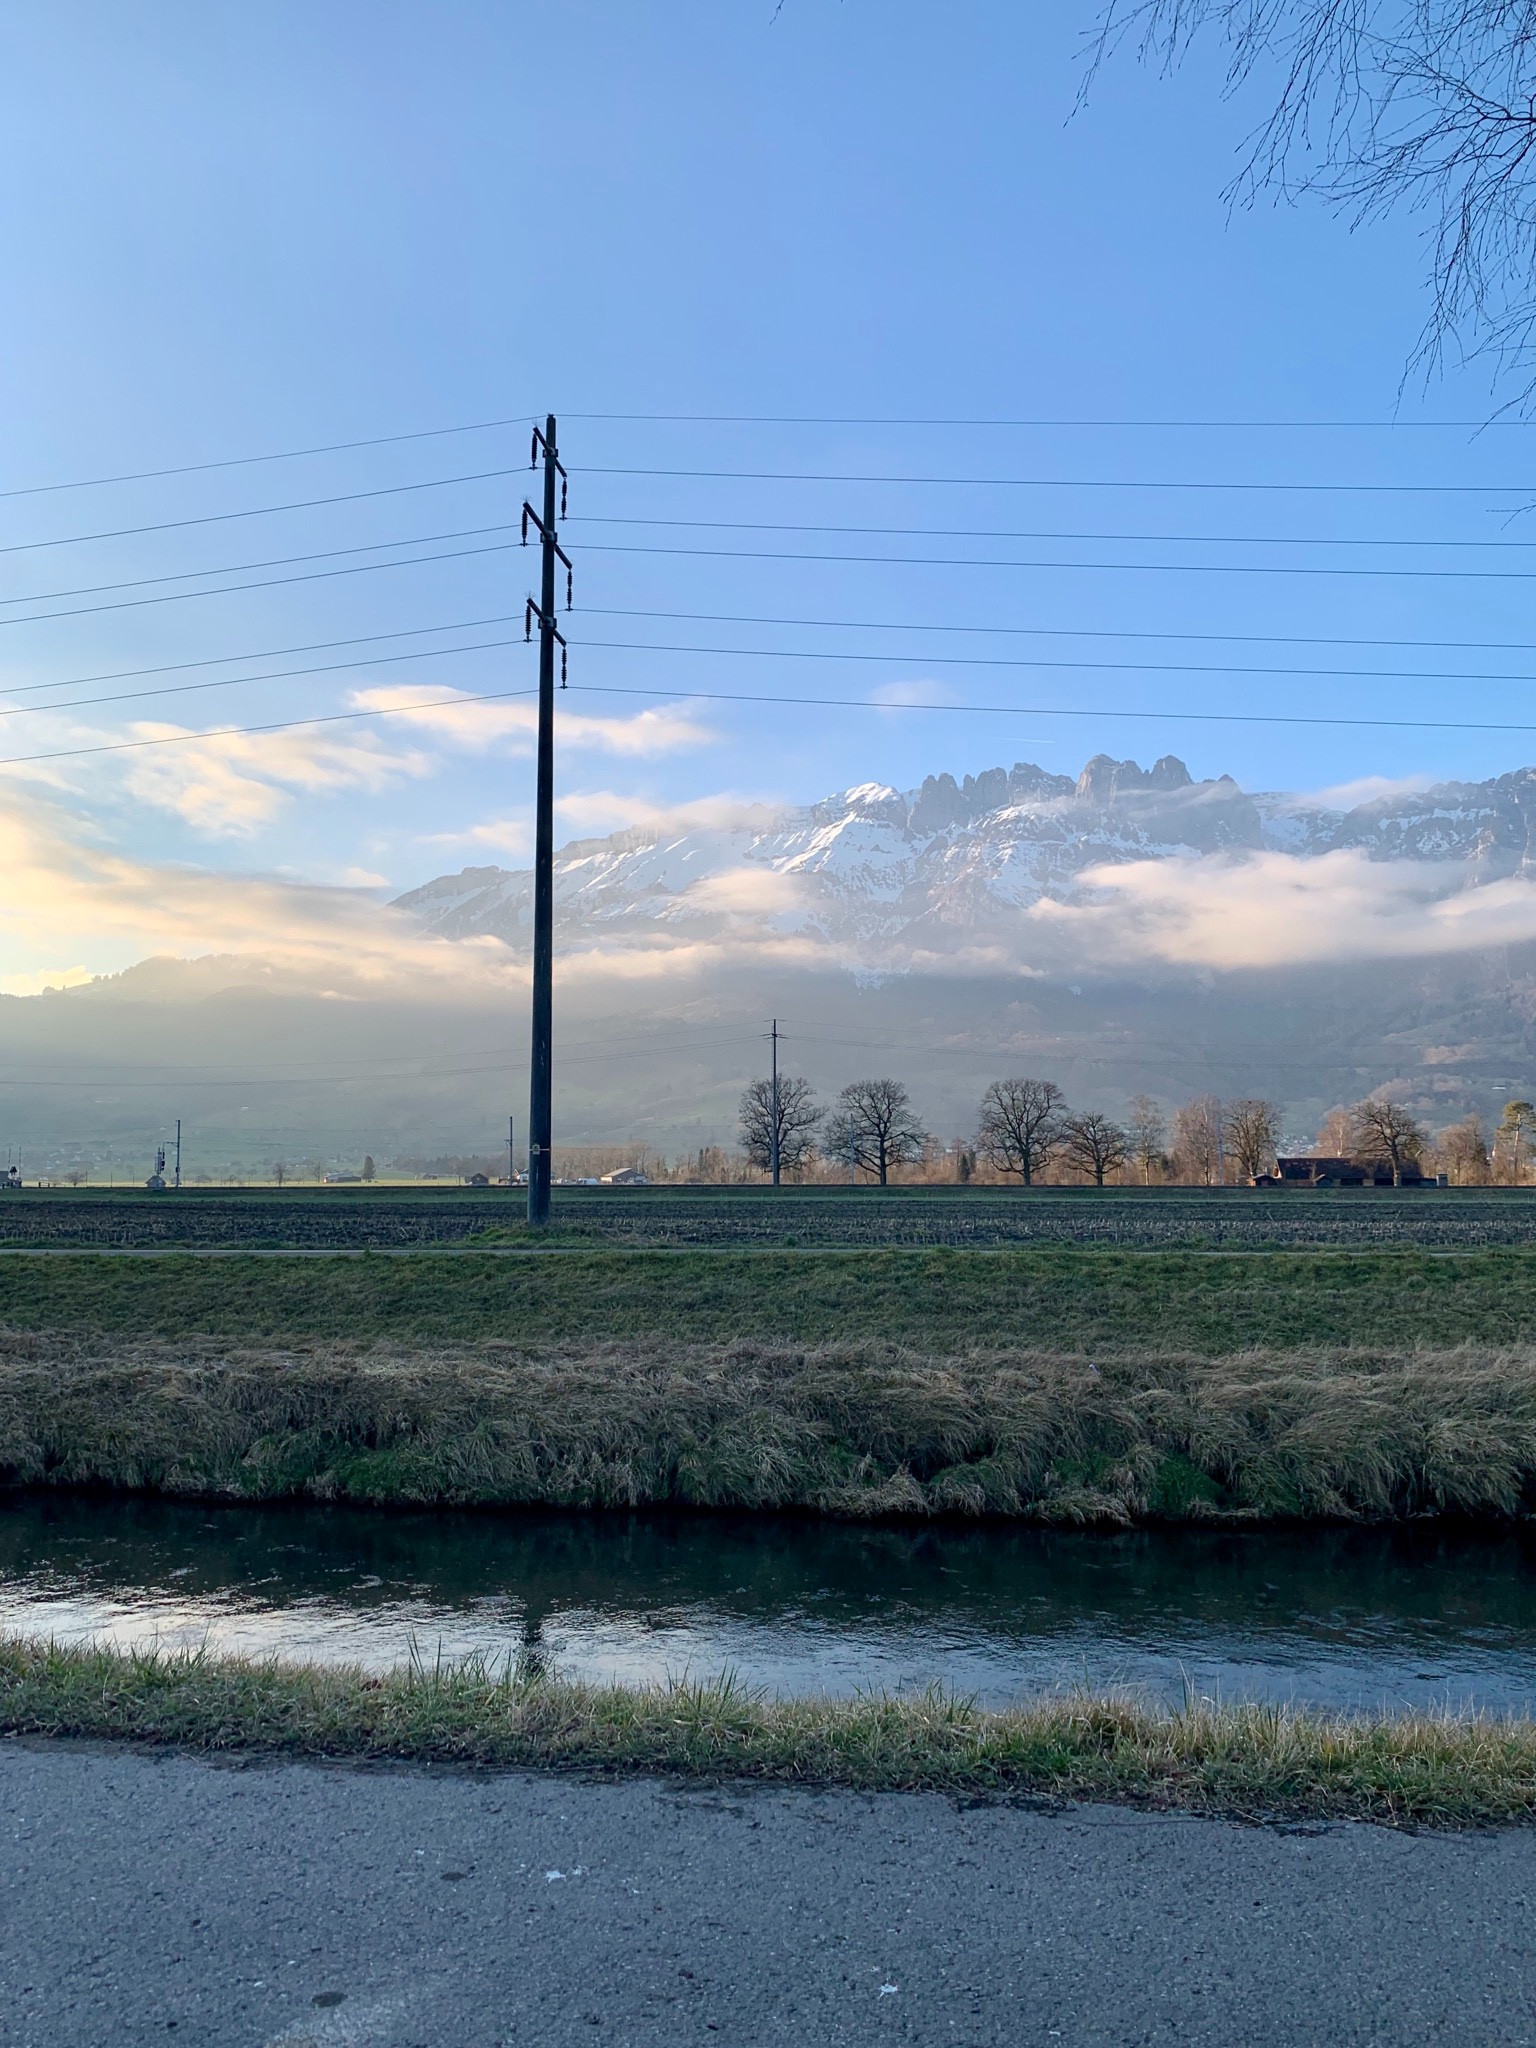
(1280, 910)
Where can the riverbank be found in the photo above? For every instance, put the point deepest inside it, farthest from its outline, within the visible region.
(848, 1430)
(1254, 1762)
(939, 1302)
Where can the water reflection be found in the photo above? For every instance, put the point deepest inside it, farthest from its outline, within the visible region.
(1341, 1617)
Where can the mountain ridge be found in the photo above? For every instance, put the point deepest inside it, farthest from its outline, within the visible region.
(872, 866)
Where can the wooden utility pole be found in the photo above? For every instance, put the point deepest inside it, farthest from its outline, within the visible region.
(541, 1057)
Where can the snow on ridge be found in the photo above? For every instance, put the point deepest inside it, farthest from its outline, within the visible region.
(875, 863)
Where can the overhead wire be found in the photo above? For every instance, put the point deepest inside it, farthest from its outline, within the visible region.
(600, 547)
(437, 483)
(138, 476)
(265, 583)
(1276, 540)
(371, 547)
(1050, 483)
(440, 705)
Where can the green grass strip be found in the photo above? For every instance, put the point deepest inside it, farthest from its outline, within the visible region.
(938, 1300)
(1250, 1761)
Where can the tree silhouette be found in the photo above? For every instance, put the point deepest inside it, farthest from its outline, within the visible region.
(1388, 1130)
(1093, 1144)
(1020, 1126)
(799, 1121)
(875, 1121)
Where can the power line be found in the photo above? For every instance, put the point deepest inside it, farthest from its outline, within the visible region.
(1047, 711)
(437, 483)
(747, 419)
(372, 547)
(227, 732)
(115, 675)
(1117, 667)
(785, 654)
(764, 697)
(135, 476)
(1273, 540)
(1052, 483)
(600, 547)
(139, 476)
(1057, 632)
(129, 604)
(271, 676)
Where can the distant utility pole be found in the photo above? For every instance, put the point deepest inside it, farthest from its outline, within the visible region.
(774, 1128)
(541, 1056)
(177, 1181)
(511, 1157)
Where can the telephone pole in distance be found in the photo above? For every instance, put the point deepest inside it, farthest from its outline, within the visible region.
(541, 1051)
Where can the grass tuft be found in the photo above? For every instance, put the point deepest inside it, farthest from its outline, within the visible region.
(1257, 1762)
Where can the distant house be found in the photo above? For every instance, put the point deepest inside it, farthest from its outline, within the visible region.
(1316, 1171)
(477, 1180)
(343, 1180)
(626, 1177)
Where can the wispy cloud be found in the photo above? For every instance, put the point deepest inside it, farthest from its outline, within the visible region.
(230, 785)
(457, 720)
(71, 897)
(591, 811)
(1365, 789)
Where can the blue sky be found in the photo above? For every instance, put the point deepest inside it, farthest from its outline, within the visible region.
(235, 230)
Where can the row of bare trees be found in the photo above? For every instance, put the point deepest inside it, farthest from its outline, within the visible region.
(1027, 1131)
(1026, 1126)
(872, 1125)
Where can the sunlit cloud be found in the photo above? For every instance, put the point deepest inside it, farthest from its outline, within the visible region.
(459, 720)
(1279, 909)
(35, 980)
(71, 897)
(229, 785)
(591, 811)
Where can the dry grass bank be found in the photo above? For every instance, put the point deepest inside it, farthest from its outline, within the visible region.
(1258, 1762)
(841, 1430)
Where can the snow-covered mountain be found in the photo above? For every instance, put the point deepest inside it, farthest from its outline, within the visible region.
(885, 874)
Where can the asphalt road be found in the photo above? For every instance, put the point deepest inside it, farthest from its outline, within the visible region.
(164, 1899)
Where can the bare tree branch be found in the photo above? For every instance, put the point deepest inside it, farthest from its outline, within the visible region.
(1381, 104)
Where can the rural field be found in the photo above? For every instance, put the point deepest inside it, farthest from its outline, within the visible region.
(866, 1216)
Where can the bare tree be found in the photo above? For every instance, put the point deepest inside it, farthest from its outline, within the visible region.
(1509, 1147)
(1020, 1126)
(1387, 1129)
(75, 1175)
(876, 1122)
(1252, 1129)
(1093, 1144)
(1463, 1152)
(1428, 104)
(1146, 1134)
(799, 1121)
(1197, 1139)
(1335, 1135)
(280, 1171)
